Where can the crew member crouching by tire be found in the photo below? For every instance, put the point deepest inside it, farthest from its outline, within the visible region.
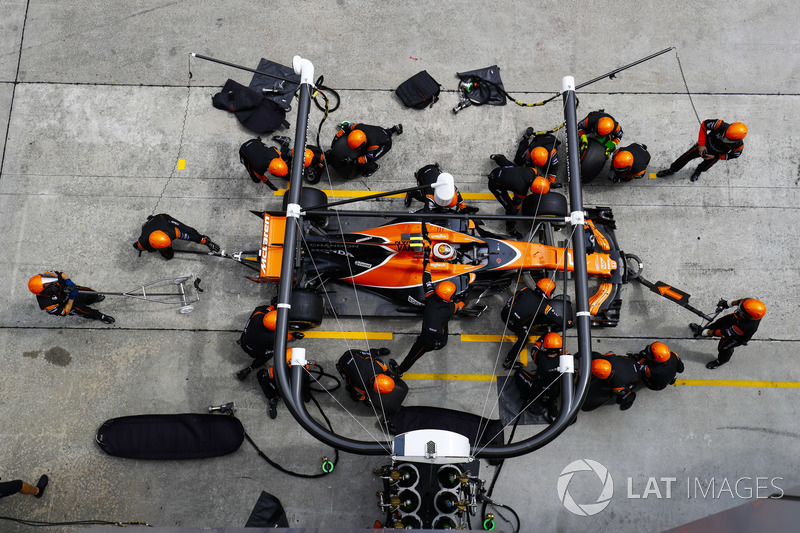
(660, 365)
(367, 379)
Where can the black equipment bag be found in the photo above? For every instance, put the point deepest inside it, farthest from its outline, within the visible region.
(277, 82)
(419, 91)
(252, 109)
(267, 513)
(489, 89)
(181, 436)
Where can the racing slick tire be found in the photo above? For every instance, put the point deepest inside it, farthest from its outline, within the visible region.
(593, 159)
(310, 197)
(307, 309)
(545, 205)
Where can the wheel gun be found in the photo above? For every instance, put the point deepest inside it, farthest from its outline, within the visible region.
(464, 88)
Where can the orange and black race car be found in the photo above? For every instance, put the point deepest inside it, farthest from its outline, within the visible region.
(362, 267)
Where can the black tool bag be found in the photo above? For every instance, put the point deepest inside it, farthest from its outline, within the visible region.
(419, 91)
(182, 436)
(252, 110)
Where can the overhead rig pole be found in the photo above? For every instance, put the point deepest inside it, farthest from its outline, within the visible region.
(291, 386)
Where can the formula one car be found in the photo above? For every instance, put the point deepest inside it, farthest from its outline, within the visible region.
(370, 269)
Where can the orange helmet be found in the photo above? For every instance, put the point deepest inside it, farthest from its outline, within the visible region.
(659, 352)
(159, 239)
(751, 309)
(553, 341)
(605, 126)
(278, 167)
(601, 368)
(270, 320)
(539, 156)
(546, 285)
(623, 160)
(356, 139)
(736, 131)
(308, 157)
(38, 283)
(383, 384)
(540, 185)
(445, 290)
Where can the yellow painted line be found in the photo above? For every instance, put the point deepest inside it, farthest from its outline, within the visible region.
(652, 175)
(452, 377)
(738, 383)
(371, 335)
(181, 164)
(339, 193)
(487, 338)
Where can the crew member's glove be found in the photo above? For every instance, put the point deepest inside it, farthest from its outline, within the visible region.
(584, 143)
(722, 303)
(528, 133)
(214, 247)
(343, 124)
(697, 329)
(297, 335)
(613, 176)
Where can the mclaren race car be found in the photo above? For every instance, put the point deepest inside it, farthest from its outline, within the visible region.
(360, 266)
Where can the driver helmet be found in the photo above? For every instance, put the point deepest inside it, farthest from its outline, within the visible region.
(751, 309)
(356, 139)
(159, 240)
(444, 251)
(445, 290)
(605, 126)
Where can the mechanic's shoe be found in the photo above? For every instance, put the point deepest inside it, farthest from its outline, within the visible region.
(664, 173)
(41, 485)
(470, 210)
(697, 329)
(495, 157)
(556, 185)
(552, 413)
(99, 298)
(283, 141)
(273, 408)
(397, 129)
(528, 133)
(407, 200)
(167, 253)
(107, 319)
(297, 335)
(384, 351)
(711, 365)
(242, 374)
(695, 176)
(394, 368)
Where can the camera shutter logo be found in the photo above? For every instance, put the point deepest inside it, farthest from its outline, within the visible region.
(585, 509)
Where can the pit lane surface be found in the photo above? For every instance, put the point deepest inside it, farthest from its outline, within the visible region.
(97, 114)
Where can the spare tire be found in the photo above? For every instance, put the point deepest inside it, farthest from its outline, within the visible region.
(309, 197)
(593, 159)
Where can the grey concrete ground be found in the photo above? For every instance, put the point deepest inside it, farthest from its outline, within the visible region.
(93, 100)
